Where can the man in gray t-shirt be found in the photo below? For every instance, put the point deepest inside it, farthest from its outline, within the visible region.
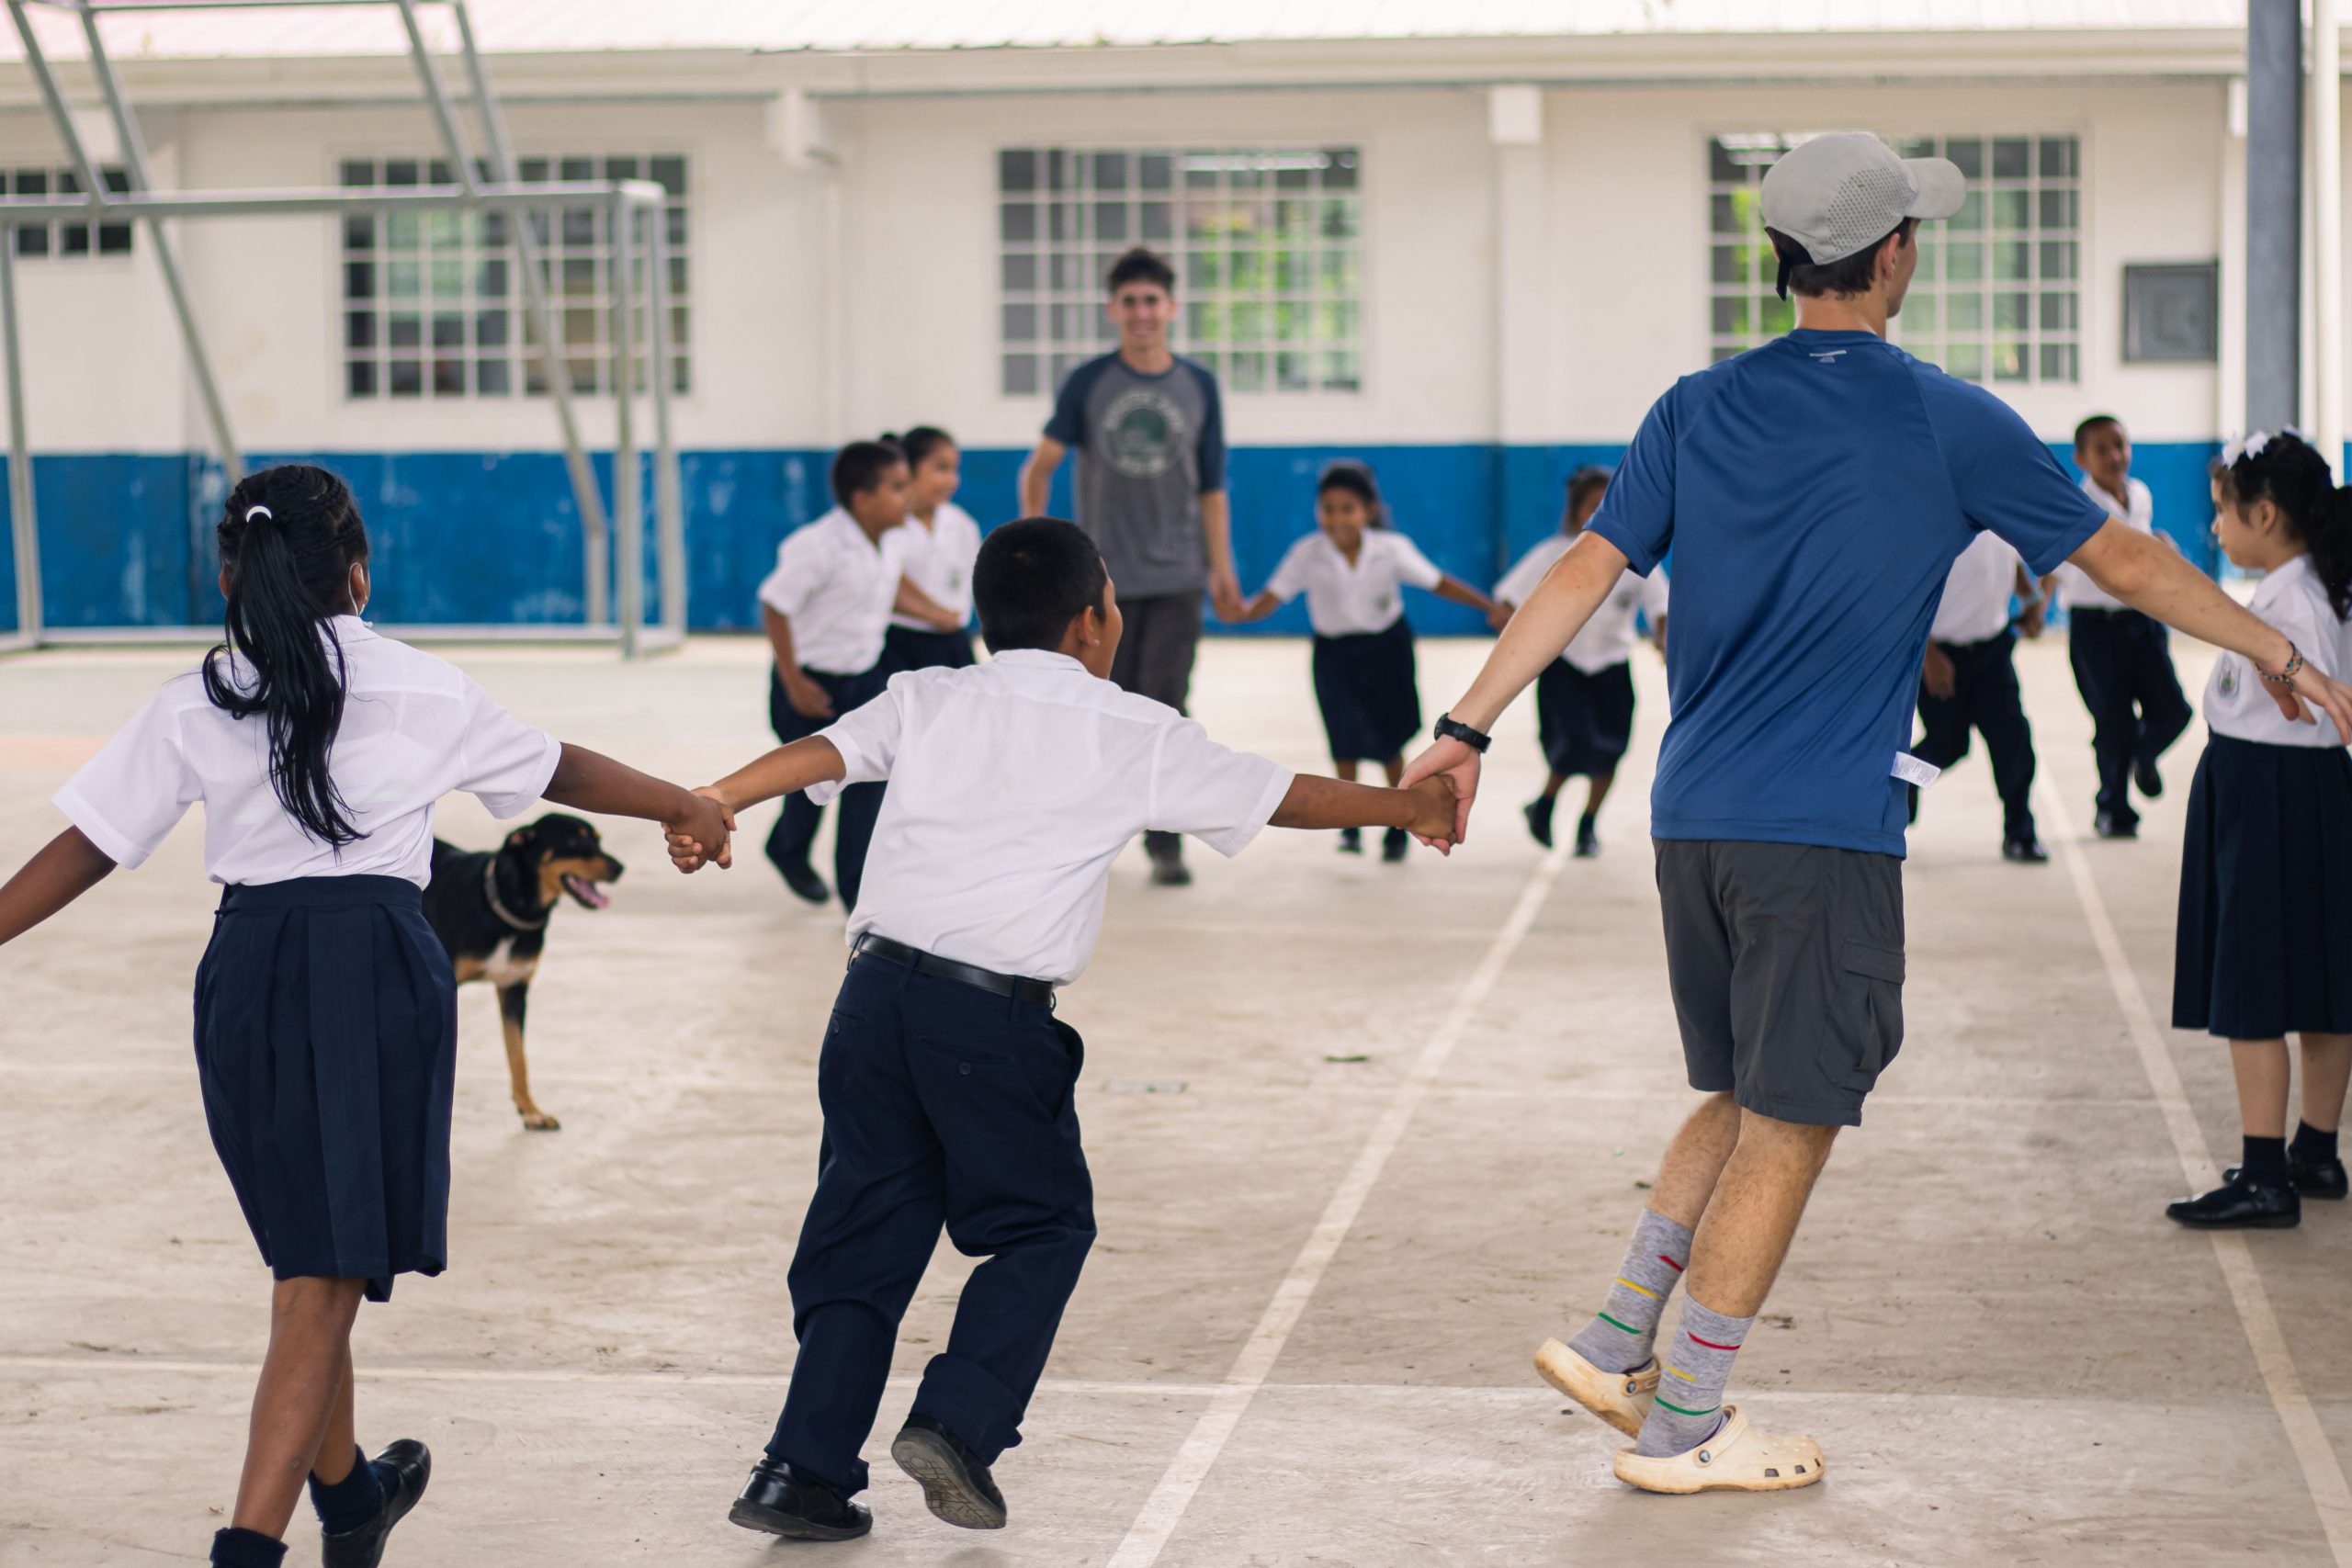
(1148, 429)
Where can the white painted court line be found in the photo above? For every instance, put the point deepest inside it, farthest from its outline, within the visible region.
(1164, 1509)
(2322, 1473)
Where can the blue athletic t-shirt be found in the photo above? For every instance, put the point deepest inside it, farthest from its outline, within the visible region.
(1815, 492)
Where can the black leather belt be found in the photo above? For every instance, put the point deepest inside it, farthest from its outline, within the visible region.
(922, 963)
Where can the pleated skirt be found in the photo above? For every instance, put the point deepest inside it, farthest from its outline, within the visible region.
(1369, 692)
(1586, 722)
(2263, 947)
(326, 1036)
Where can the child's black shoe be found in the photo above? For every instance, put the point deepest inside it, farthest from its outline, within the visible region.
(1539, 819)
(2324, 1180)
(2026, 851)
(2240, 1205)
(1395, 844)
(779, 1500)
(1351, 840)
(405, 1469)
(1587, 837)
(956, 1487)
(802, 878)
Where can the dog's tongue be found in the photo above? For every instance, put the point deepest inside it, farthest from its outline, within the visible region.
(587, 891)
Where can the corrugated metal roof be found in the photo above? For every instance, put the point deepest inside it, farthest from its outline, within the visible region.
(534, 27)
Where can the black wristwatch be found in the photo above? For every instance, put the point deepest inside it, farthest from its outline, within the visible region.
(1449, 728)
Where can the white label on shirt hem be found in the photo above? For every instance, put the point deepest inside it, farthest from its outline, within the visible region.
(1910, 770)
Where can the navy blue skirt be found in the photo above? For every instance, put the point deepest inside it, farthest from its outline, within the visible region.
(1585, 721)
(327, 1044)
(1369, 692)
(2264, 945)
(904, 648)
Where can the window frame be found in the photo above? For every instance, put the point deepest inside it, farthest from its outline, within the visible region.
(117, 179)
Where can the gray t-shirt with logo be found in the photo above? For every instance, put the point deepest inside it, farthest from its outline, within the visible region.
(1148, 448)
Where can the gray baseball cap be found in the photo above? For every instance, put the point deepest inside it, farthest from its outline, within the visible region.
(1837, 194)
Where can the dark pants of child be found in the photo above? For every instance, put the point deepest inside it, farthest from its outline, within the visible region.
(944, 1103)
(2123, 665)
(1984, 698)
(1155, 660)
(796, 828)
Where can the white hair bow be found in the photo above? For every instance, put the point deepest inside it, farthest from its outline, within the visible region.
(2249, 445)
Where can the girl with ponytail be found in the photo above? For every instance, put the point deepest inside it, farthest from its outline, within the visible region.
(2263, 946)
(325, 1007)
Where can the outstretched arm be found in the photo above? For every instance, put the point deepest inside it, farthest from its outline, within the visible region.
(1037, 476)
(59, 871)
(809, 760)
(1426, 808)
(1455, 589)
(588, 781)
(1257, 609)
(912, 601)
(2157, 580)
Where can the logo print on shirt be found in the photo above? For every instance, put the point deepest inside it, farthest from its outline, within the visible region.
(1141, 433)
(2229, 680)
(1824, 356)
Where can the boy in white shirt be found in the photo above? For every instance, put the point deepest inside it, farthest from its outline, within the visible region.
(1969, 681)
(945, 1079)
(2122, 660)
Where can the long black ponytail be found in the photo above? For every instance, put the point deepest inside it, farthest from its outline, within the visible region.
(288, 538)
(2289, 472)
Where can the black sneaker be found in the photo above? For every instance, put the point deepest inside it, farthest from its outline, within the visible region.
(1351, 840)
(802, 878)
(1170, 871)
(2324, 1180)
(405, 1469)
(780, 1501)
(1539, 819)
(956, 1487)
(2144, 775)
(2026, 850)
(1588, 838)
(1395, 845)
(2108, 825)
(2240, 1205)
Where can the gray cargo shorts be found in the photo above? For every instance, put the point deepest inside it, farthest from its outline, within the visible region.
(1786, 966)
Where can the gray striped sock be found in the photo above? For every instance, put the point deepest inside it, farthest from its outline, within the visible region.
(1690, 1395)
(1619, 1337)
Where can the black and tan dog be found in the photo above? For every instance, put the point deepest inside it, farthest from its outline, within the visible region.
(491, 907)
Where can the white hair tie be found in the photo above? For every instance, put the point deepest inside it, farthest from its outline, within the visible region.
(254, 511)
(2245, 446)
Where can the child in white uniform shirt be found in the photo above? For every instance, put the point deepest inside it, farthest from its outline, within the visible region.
(1353, 570)
(325, 1008)
(946, 1081)
(2122, 658)
(937, 546)
(1584, 699)
(1969, 681)
(826, 609)
(2263, 946)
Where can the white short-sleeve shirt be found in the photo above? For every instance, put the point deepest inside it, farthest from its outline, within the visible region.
(1014, 786)
(1345, 599)
(1608, 637)
(2238, 703)
(414, 728)
(836, 587)
(2138, 508)
(937, 558)
(1975, 606)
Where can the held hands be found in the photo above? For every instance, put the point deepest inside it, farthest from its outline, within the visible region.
(710, 821)
(2307, 695)
(807, 697)
(1224, 593)
(1458, 765)
(2036, 616)
(1433, 813)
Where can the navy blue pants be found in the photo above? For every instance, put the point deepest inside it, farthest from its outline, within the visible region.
(2123, 664)
(1984, 698)
(943, 1105)
(795, 826)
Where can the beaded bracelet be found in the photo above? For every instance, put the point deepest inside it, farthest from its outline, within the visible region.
(2286, 673)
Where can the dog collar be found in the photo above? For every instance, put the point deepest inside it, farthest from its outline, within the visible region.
(490, 890)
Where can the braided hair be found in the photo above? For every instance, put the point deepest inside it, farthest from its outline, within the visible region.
(2289, 472)
(289, 536)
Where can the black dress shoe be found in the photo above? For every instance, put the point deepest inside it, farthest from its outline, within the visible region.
(2238, 1206)
(2144, 775)
(2108, 825)
(405, 1469)
(956, 1487)
(1539, 819)
(2026, 851)
(802, 878)
(1588, 838)
(779, 1500)
(1395, 844)
(1351, 840)
(2310, 1180)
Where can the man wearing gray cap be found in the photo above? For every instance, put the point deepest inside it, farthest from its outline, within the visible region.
(1816, 491)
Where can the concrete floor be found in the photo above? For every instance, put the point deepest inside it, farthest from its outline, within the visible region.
(1304, 1336)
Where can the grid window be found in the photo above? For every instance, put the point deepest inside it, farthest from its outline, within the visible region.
(1997, 295)
(66, 239)
(1268, 244)
(432, 307)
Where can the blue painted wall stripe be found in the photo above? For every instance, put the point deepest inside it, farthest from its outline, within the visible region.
(493, 537)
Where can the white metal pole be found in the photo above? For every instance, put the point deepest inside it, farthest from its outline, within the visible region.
(668, 510)
(2327, 256)
(628, 513)
(22, 524)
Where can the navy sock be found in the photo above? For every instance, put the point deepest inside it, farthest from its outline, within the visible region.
(2312, 1147)
(246, 1549)
(350, 1503)
(2264, 1162)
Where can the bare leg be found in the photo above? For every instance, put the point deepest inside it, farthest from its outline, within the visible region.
(2327, 1069)
(1554, 784)
(2261, 1067)
(303, 1380)
(1345, 770)
(340, 1448)
(1749, 1223)
(1597, 790)
(1694, 1161)
(1395, 768)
